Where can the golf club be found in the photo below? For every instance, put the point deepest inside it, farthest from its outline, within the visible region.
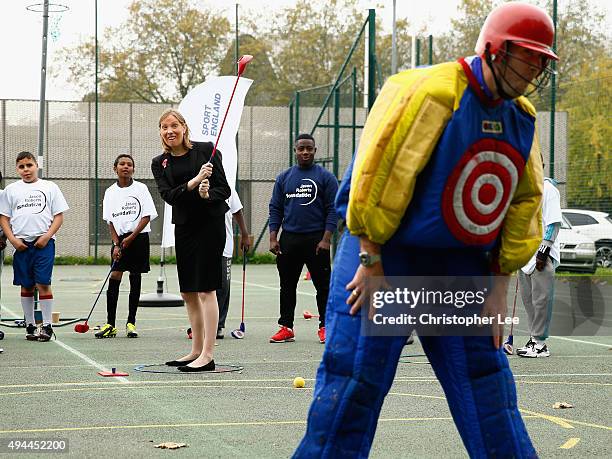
(309, 315)
(239, 332)
(508, 344)
(242, 63)
(84, 327)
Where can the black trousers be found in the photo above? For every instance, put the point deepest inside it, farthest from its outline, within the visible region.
(299, 249)
(223, 293)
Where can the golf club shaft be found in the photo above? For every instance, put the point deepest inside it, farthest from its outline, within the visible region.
(514, 305)
(243, 279)
(100, 292)
(224, 118)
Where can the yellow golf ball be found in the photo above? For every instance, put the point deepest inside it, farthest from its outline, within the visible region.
(299, 382)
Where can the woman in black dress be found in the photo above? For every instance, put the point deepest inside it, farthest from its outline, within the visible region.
(196, 188)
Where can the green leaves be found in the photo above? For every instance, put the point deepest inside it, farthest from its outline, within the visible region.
(164, 49)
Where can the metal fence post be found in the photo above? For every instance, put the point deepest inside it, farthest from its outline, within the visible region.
(354, 114)
(336, 130)
(553, 99)
(372, 57)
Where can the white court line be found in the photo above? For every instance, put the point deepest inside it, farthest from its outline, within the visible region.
(267, 287)
(526, 333)
(80, 355)
(580, 341)
(563, 374)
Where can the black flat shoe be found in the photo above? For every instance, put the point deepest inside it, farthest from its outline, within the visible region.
(210, 366)
(178, 363)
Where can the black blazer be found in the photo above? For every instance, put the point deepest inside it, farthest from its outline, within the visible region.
(188, 206)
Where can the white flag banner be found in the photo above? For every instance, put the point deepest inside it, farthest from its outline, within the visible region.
(168, 228)
(204, 108)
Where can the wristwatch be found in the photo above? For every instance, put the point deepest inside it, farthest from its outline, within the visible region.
(367, 259)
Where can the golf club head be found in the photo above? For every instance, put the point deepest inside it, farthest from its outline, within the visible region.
(508, 349)
(309, 315)
(243, 62)
(242, 327)
(237, 334)
(189, 334)
(81, 328)
(1, 335)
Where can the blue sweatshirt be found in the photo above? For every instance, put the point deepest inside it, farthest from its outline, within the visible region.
(303, 200)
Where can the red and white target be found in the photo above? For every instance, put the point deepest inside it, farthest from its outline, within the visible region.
(479, 191)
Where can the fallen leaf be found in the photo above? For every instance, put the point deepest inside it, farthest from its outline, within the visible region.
(171, 445)
(562, 405)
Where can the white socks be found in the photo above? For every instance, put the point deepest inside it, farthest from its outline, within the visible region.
(46, 306)
(27, 304)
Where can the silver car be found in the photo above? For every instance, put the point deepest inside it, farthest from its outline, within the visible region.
(598, 227)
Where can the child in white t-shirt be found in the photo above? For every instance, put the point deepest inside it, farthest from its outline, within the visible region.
(128, 208)
(31, 212)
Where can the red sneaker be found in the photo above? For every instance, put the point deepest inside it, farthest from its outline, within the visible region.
(321, 334)
(283, 335)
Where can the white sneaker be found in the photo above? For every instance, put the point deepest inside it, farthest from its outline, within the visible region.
(537, 350)
(527, 347)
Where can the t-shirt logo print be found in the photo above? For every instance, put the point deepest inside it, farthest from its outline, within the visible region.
(306, 190)
(130, 207)
(35, 202)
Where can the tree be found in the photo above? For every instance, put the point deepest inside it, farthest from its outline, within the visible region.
(264, 90)
(404, 47)
(580, 32)
(581, 37)
(165, 48)
(461, 39)
(588, 105)
(310, 42)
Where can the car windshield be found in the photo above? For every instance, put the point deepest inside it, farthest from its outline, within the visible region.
(565, 224)
(609, 219)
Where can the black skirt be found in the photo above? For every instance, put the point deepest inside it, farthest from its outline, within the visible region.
(199, 248)
(134, 259)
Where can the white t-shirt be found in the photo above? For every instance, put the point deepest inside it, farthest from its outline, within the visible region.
(125, 207)
(234, 206)
(32, 207)
(551, 213)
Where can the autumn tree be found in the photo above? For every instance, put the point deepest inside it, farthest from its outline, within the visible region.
(588, 104)
(165, 48)
(309, 42)
(264, 90)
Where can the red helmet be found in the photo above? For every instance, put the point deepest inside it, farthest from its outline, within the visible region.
(520, 23)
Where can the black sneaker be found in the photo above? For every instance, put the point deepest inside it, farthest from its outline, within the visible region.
(31, 332)
(46, 332)
(220, 334)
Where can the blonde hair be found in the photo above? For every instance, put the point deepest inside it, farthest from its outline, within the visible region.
(186, 142)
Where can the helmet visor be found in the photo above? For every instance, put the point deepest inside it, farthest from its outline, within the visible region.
(545, 50)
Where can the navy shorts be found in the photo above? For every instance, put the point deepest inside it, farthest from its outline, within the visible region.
(34, 266)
